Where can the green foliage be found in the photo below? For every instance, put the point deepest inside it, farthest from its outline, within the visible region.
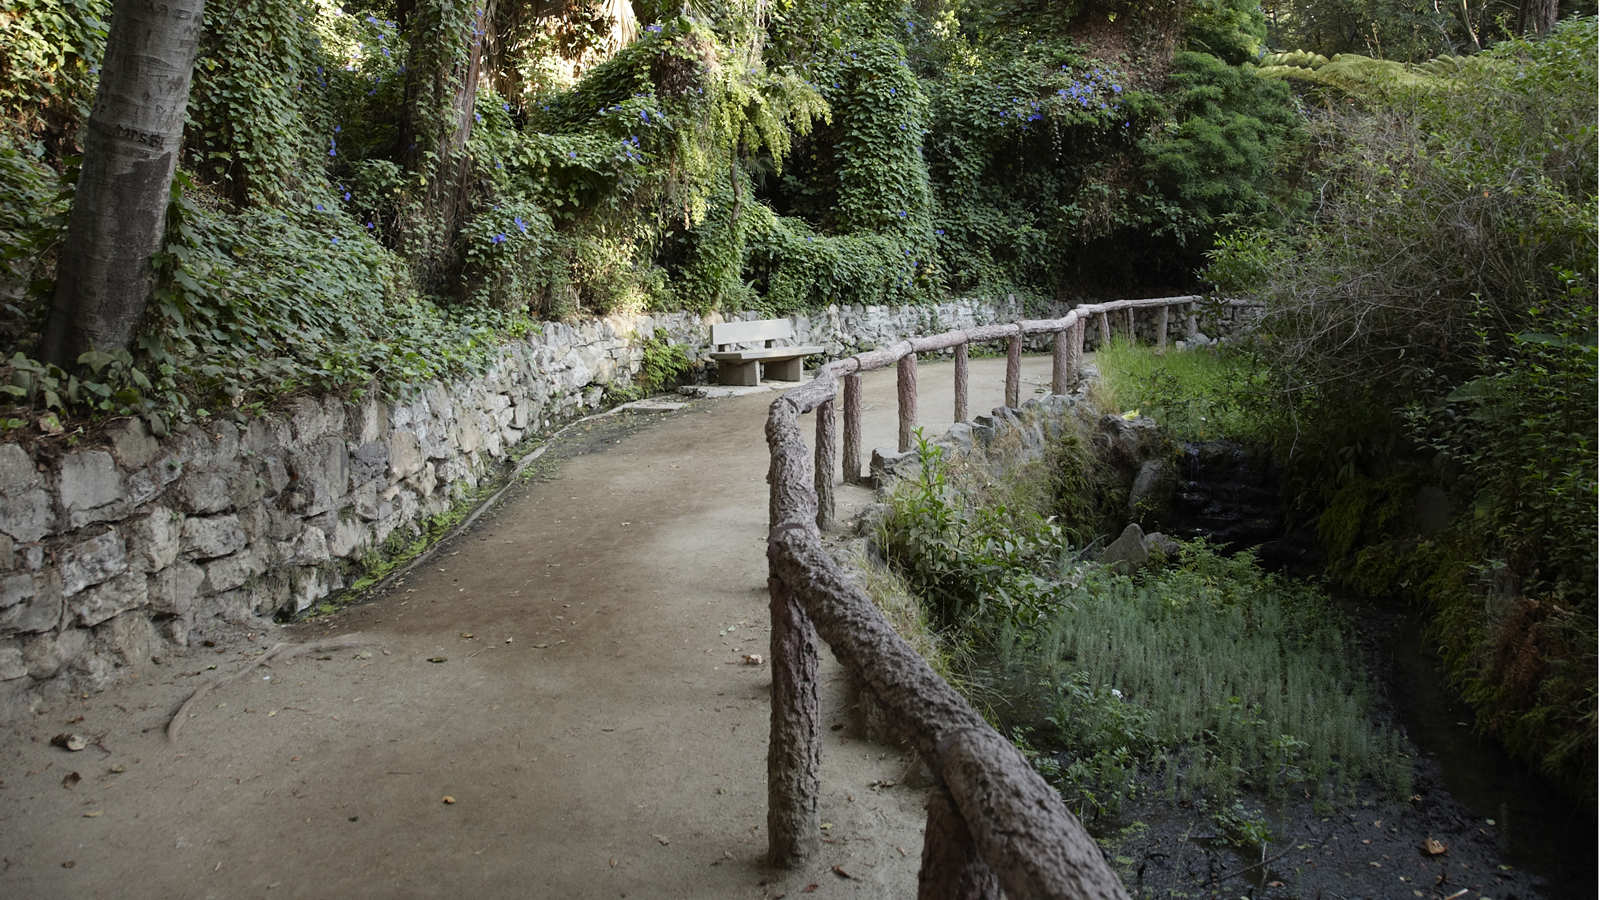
(49, 63)
(971, 562)
(1433, 324)
(663, 363)
(1210, 678)
(1201, 394)
(1214, 159)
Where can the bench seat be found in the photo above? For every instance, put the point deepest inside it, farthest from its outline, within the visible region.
(748, 367)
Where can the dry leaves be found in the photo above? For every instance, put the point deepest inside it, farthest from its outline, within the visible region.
(808, 888)
(839, 871)
(73, 742)
(71, 781)
(1434, 848)
(448, 799)
(752, 659)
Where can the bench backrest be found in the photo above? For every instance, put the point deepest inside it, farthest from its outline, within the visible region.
(747, 332)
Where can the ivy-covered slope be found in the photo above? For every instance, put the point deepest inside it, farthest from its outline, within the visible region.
(371, 195)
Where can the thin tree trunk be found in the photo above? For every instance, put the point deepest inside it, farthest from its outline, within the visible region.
(130, 152)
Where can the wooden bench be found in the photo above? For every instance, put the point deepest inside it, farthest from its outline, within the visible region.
(748, 367)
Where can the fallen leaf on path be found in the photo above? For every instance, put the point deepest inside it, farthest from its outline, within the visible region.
(93, 815)
(540, 646)
(1433, 847)
(839, 871)
(662, 838)
(448, 799)
(73, 742)
(466, 634)
(69, 864)
(613, 862)
(752, 659)
(365, 654)
(438, 659)
(71, 781)
(808, 888)
(608, 729)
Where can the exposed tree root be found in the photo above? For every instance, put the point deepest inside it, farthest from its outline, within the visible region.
(277, 653)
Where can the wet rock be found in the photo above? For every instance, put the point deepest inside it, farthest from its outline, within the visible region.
(1150, 497)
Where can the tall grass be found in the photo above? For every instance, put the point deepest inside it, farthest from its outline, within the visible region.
(1199, 394)
(1207, 679)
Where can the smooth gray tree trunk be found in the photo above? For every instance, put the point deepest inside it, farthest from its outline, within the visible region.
(130, 150)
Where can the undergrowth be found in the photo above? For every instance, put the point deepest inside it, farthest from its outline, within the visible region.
(1200, 394)
(1195, 683)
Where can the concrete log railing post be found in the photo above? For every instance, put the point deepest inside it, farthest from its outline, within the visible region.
(1014, 370)
(952, 868)
(1161, 327)
(1075, 360)
(827, 454)
(961, 382)
(1104, 320)
(1061, 367)
(852, 428)
(1133, 336)
(794, 753)
(1191, 321)
(906, 388)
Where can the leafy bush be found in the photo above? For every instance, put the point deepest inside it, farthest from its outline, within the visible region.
(1433, 324)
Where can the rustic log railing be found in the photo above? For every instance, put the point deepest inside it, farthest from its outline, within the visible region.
(993, 822)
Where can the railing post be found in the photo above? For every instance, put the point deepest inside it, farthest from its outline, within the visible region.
(961, 382)
(906, 382)
(1161, 328)
(1133, 336)
(852, 429)
(1076, 358)
(1060, 361)
(827, 454)
(1014, 370)
(951, 866)
(1191, 322)
(1104, 321)
(794, 748)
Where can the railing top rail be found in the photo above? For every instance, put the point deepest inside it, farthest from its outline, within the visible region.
(1025, 833)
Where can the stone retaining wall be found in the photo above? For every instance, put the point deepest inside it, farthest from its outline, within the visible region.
(114, 554)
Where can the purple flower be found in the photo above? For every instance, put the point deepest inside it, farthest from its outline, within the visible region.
(521, 225)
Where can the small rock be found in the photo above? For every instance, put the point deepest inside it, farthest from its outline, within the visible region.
(1126, 554)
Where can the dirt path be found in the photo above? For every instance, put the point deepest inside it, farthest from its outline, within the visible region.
(590, 712)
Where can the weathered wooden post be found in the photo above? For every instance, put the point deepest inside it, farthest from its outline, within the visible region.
(1103, 319)
(827, 454)
(794, 749)
(1161, 328)
(1133, 337)
(852, 428)
(1061, 361)
(952, 868)
(1014, 369)
(1078, 328)
(961, 382)
(906, 382)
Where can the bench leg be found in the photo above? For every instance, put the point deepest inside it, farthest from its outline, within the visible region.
(784, 370)
(740, 374)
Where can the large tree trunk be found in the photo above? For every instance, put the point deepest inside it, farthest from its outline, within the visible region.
(130, 152)
(1537, 16)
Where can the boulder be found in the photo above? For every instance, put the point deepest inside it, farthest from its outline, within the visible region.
(1126, 554)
